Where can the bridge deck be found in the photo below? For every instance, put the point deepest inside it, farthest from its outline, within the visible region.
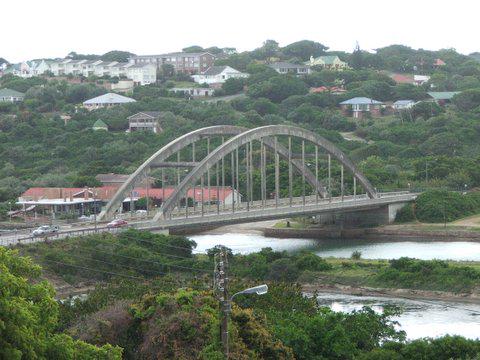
(258, 212)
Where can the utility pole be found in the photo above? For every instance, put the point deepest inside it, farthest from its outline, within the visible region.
(221, 289)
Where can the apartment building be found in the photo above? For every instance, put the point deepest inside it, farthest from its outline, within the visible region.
(189, 63)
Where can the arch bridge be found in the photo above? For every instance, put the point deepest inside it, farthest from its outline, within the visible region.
(229, 174)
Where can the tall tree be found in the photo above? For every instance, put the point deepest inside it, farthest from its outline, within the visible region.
(304, 49)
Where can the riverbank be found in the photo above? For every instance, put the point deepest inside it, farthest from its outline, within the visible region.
(410, 294)
(397, 233)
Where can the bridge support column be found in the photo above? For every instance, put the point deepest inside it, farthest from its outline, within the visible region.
(382, 215)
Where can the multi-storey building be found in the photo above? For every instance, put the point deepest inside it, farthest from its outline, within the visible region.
(190, 63)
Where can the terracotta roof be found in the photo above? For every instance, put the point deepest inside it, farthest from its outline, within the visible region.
(402, 78)
(105, 193)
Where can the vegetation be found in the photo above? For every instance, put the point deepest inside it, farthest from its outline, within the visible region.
(30, 315)
(174, 315)
(436, 206)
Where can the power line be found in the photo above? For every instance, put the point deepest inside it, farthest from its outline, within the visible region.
(144, 260)
(101, 271)
(114, 264)
(155, 252)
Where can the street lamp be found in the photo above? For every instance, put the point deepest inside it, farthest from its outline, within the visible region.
(259, 290)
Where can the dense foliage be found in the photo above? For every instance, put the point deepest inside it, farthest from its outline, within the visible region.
(29, 314)
(150, 305)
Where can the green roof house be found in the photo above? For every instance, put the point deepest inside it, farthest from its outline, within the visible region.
(8, 95)
(442, 97)
(99, 125)
(331, 62)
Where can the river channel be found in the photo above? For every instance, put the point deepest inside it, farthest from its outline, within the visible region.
(419, 318)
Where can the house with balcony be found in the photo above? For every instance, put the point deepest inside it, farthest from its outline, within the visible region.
(182, 62)
(361, 107)
(145, 121)
(290, 68)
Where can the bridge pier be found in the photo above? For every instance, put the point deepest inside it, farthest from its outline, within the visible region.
(381, 215)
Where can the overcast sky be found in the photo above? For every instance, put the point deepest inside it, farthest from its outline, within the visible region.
(52, 28)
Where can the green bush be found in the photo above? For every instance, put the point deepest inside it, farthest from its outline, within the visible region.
(312, 262)
(405, 214)
(441, 205)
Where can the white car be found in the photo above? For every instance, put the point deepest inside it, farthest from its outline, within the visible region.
(45, 230)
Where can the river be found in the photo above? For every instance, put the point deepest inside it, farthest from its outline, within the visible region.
(419, 318)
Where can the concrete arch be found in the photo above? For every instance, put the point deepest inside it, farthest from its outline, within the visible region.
(256, 134)
(183, 141)
(161, 155)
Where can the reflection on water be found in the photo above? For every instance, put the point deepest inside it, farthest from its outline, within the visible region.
(247, 243)
(419, 318)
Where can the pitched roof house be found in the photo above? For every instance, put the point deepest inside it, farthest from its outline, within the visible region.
(218, 75)
(146, 121)
(100, 125)
(106, 101)
(290, 68)
(8, 95)
(360, 107)
(331, 62)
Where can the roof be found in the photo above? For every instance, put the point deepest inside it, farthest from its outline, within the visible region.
(439, 62)
(328, 59)
(175, 54)
(99, 124)
(110, 98)
(443, 95)
(214, 70)
(361, 101)
(283, 65)
(105, 193)
(10, 93)
(402, 78)
(403, 102)
(152, 114)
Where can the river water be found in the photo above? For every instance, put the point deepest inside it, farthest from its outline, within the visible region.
(419, 318)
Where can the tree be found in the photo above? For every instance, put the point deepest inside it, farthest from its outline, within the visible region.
(304, 49)
(233, 86)
(278, 88)
(467, 100)
(193, 49)
(30, 314)
(117, 55)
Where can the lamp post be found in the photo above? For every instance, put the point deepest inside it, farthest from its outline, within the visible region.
(227, 308)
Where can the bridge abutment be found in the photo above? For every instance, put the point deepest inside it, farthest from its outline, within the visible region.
(381, 215)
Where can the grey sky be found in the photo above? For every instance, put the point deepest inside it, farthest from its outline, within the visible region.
(52, 28)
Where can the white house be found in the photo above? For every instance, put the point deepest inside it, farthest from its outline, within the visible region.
(403, 104)
(8, 95)
(106, 101)
(290, 68)
(141, 74)
(218, 75)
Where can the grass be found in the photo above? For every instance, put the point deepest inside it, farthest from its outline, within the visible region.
(453, 276)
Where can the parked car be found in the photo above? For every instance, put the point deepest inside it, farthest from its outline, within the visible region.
(117, 223)
(141, 212)
(45, 230)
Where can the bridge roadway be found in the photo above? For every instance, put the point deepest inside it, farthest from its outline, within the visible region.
(223, 215)
(256, 211)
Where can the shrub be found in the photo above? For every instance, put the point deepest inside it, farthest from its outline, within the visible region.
(442, 205)
(312, 262)
(356, 255)
(405, 214)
